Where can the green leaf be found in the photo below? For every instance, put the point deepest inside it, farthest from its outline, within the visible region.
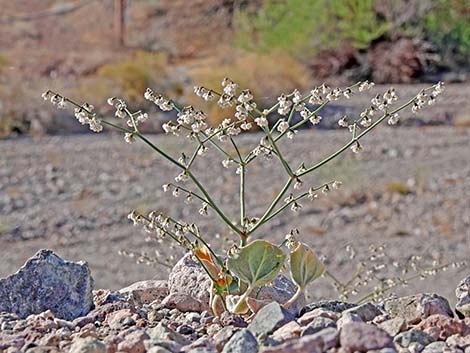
(305, 267)
(257, 263)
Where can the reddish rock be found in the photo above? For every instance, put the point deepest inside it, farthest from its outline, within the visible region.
(117, 319)
(362, 337)
(306, 344)
(133, 342)
(287, 332)
(308, 317)
(440, 327)
(182, 302)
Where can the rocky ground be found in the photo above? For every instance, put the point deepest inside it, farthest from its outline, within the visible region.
(57, 312)
(407, 190)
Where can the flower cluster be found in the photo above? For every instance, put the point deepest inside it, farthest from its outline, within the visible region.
(163, 103)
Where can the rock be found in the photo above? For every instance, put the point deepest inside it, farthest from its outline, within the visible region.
(367, 311)
(414, 308)
(362, 337)
(48, 282)
(134, 342)
(286, 332)
(164, 344)
(329, 337)
(223, 336)
(99, 314)
(435, 347)
(229, 319)
(188, 277)
(462, 308)
(405, 339)
(270, 318)
(440, 327)
(393, 326)
(160, 332)
(347, 318)
(318, 324)
(308, 317)
(306, 344)
(121, 319)
(87, 345)
(145, 292)
(242, 342)
(183, 302)
(281, 290)
(330, 305)
(458, 341)
(158, 349)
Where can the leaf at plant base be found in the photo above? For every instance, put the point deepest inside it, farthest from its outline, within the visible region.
(305, 267)
(257, 263)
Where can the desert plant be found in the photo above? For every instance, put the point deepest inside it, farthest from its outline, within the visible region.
(250, 263)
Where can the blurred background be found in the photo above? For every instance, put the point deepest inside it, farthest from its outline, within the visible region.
(96, 48)
(65, 188)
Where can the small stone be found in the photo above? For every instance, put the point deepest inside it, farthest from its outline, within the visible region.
(417, 307)
(286, 332)
(405, 339)
(306, 344)
(193, 317)
(330, 305)
(47, 282)
(166, 344)
(329, 336)
(308, 317)
(229, 319)
(462, 308)
(362, 337)
(393, 326)
(182, 302)
(160, 332)
(121, 319)
(158, 349)
(440, 327)
(185, 329)
(367, 312)
(458, 341)
(145, 292)
(270, 318)
(87, 345)
(435, 347)
(317, 325)
(133, 342)
(223, 336)
(242, 342)
(347, 318)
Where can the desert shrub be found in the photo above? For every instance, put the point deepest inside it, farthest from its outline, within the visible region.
(299, 26)
(249, 262)
(131, 75)
(447, 26)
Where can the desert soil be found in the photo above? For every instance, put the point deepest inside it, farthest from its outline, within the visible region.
(408, 189)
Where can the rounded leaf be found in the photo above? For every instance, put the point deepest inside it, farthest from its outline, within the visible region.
(257, 263)
(305, 267)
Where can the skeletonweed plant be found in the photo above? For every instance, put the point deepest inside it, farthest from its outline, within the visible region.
(251, 263)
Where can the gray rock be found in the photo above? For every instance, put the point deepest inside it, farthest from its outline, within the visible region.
(435, 347)
(87, 345)
(281, 290)
(242, 342)
(317, 325)
(405, 339)
(163, 333)
(367, 311)
(145, 292)
(458, 341)
(362, 337)
(47, 282)
(393, 326)
(183, 302)
(188, 277)
(414, 308)
(270, 318)
(462, 308)
(347, 318)
(306, 344)
(330, 305)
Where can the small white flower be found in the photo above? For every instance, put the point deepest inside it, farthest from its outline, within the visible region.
(166, 187)
(261, 121)
(394, 119)
(129, 137)
(315, 119)
(343, 122)
(227, 163)
(282, 126)
(356, 148)
(336, 184)
(95, 125)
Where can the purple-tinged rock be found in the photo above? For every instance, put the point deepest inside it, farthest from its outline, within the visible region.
(362, 337)
(47, 282)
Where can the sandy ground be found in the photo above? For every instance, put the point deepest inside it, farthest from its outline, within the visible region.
(408, 189)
